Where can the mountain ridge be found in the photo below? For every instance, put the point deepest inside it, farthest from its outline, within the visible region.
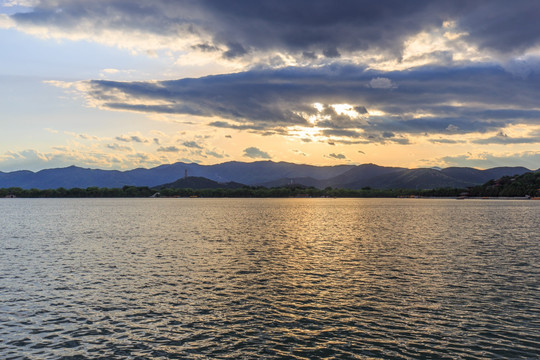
(265, 173)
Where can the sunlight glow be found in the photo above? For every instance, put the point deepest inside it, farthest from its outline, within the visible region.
(304, 132)
(318, 106)
(375, 112)
(346, 109)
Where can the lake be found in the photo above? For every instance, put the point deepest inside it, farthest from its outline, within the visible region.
(269, 279)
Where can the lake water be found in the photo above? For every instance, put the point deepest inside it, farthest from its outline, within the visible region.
(269, 279)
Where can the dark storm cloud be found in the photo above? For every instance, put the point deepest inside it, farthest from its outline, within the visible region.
(507, 27)
(309, 55)
(252, 96)
(323, 27)
(234, 50)
(310, 28)
(434, 125)
(270, 100)
(361, 110)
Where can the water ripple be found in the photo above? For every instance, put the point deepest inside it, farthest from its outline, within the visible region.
(273, 279)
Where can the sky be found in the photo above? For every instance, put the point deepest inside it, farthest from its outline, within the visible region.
(118, 84)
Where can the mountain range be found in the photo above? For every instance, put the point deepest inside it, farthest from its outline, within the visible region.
(265, 173)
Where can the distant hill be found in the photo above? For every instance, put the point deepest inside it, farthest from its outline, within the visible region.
(197, 183)
(362, 175)
(246, 173)
(258, 172)
(412, 179)
(517, 185)
(266, 173)
(380, 177)
(481, 176)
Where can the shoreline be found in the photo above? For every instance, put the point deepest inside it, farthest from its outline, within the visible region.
(280, 197)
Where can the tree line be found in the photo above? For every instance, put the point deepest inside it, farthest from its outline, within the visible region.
(243, 192)
(90, 192)
(510, 186)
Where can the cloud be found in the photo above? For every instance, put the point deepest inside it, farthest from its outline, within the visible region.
(215, 154)
(118, 147)
(255, 153)
(87, 156)
(168, 149)
(23, 3)
(331, 52)
(205, 47)
(308, 30)
(502, 138)
(131, 138)
(234, 50)
(191, 144)
(337, 156)
(502, 27)
(485, 160)
(238, 28)
(446, 141)
(31, 159)
(365, 137)
(87, 137)
(81, 136)
(362, 62)
(342, 132)
(452, 128)
(381, 83)
(248, 126)
(429, 100)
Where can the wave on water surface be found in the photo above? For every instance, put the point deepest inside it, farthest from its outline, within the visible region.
(271, 278)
